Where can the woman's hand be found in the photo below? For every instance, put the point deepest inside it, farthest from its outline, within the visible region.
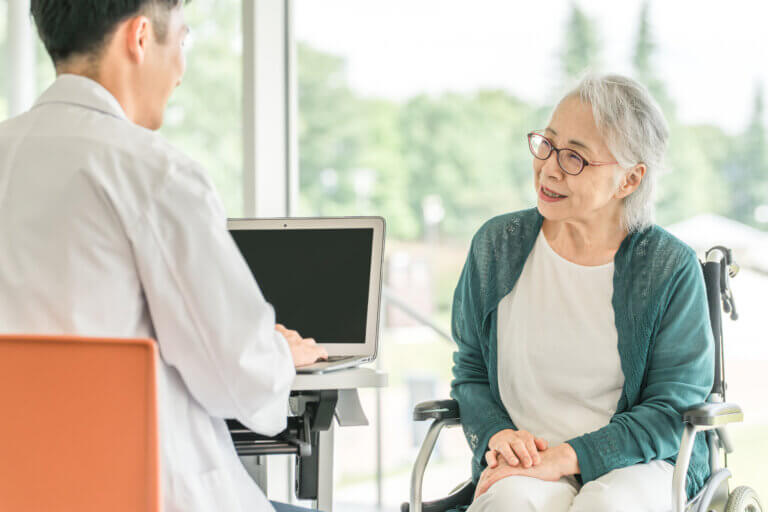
(304, 351)
(555, 463)
(515, 447)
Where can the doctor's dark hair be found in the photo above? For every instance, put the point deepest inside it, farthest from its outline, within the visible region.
(82, 27)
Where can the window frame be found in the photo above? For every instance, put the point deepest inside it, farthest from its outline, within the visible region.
(21, 57)
(270, 183)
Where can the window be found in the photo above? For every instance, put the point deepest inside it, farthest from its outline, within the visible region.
(418, 112)
(204, 114)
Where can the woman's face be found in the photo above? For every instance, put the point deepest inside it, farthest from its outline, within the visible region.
(591, 195)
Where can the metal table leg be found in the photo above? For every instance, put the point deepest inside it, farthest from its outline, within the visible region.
(325, 476)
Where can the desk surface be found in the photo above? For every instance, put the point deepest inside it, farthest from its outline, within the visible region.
(343, 379)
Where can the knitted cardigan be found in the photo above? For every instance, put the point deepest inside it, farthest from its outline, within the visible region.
(665, 345)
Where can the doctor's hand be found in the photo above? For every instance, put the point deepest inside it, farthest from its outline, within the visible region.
(555, 463)
(304, 351)
(516, 447)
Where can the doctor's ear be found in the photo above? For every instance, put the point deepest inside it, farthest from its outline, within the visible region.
(631, 180)
(138, 30)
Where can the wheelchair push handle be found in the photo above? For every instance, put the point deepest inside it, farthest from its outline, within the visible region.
(727, 269)
(718, 268)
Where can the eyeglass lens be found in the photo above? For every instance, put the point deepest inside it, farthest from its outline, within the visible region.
(569, 161)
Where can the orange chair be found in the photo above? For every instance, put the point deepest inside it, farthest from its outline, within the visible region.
(78, 425)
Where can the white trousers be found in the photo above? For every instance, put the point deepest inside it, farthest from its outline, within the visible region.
(638, 488)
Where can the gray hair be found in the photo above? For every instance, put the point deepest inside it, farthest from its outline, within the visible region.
(634, 129)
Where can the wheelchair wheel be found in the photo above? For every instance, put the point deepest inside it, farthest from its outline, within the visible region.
(743, 499)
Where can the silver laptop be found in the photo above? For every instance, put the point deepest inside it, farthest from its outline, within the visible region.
(323, 277)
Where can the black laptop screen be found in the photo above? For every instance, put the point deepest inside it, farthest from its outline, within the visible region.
(317, 279)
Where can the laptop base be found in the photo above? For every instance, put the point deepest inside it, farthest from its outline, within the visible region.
(336, 363)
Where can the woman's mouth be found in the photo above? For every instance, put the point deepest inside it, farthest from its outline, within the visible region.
(549, 195)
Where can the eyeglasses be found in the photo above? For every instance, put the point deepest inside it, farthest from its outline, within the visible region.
(569, 161)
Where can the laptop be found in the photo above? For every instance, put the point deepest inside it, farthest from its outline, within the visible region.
(323, 277)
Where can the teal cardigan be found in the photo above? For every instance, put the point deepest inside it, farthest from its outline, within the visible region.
(664, 341)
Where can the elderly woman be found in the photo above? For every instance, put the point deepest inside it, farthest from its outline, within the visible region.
(582, 327)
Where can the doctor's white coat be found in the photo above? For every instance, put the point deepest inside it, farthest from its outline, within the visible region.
(107, 230)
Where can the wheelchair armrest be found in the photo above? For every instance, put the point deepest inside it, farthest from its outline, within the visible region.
(437, 409)
(702, 417)
(712, 415)
(458, 498)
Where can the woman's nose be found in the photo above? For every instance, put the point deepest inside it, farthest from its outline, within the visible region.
(552, 168)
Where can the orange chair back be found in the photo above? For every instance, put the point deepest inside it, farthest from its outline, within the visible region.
(78, 425)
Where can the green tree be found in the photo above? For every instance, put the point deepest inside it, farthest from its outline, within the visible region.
(694, 182)
(581, 48)
(695, 154)
(756, 139)
(343, 135)
(467, 149)
(45, 73)
(747, 171)
(644, 45)
(470, 150)
(204, 115)
(643, 60)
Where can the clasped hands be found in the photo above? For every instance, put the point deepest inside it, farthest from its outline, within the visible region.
(518, 452)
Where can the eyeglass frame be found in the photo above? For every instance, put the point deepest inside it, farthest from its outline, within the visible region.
(584, 161)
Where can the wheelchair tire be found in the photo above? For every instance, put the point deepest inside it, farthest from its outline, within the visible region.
(743, 499)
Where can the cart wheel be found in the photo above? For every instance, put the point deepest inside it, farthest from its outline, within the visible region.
(743, 499)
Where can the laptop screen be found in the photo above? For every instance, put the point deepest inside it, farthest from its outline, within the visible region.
(317, 279)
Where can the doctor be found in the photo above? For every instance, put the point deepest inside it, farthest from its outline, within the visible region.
(107, 230)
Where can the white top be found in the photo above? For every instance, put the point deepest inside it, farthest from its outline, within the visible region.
(107, 230)
(559, 369)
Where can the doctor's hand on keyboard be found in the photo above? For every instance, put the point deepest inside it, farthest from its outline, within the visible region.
(305, 351)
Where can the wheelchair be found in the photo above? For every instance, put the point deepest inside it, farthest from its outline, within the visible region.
(710, 417)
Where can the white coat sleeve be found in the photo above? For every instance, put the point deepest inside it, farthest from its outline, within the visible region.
(211, 321)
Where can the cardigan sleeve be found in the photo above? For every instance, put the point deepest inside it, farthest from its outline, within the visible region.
(481, 414)
(679, 375)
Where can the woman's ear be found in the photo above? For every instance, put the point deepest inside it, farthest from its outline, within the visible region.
(631, 180)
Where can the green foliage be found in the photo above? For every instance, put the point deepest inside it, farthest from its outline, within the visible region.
(341, 133)
(694, 183)
(644, 45)
(468, 150)
(471, 151)
(643, 60)
(204, 114)
(44, 69)
(747, 167)
(581, 49)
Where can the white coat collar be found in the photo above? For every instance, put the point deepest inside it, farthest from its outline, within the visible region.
(84, 92)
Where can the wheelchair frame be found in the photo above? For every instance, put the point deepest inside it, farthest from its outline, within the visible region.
(710, 417)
